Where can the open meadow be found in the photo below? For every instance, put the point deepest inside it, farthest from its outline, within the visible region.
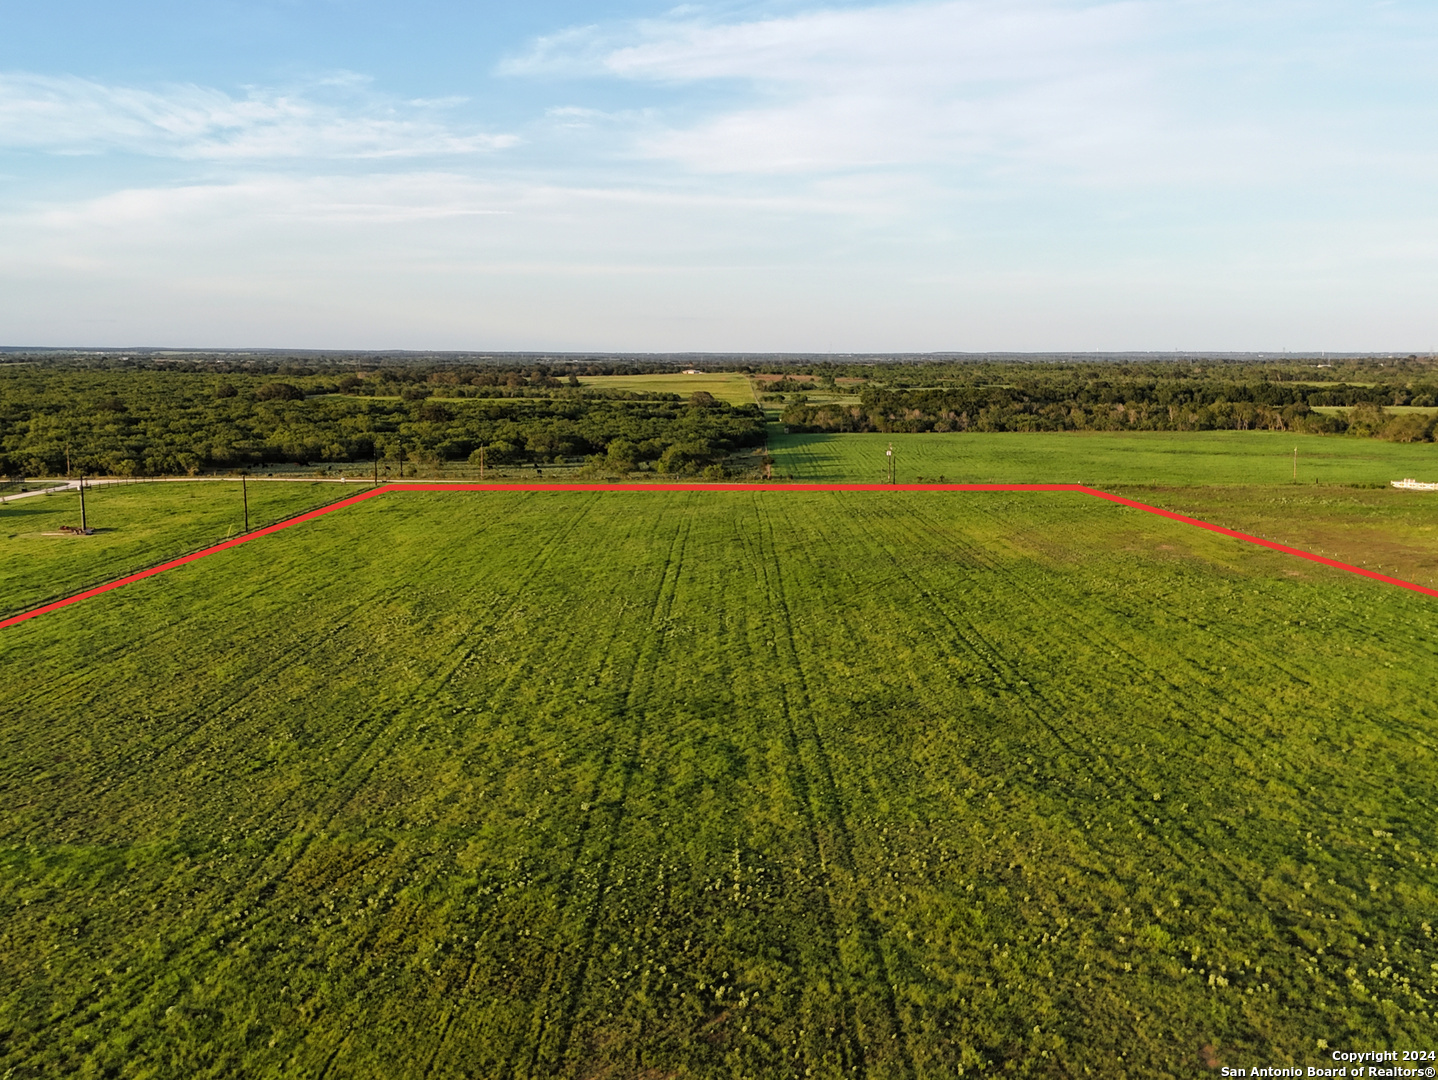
(722, 785)
(1342, 505)
(728, 386)
(1103, 459)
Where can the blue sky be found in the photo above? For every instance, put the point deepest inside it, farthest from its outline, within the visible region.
(1185, 174)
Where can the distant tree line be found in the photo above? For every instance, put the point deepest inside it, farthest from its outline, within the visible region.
(1048, 401)
(401, 365)
(147, 421)
(154, 414)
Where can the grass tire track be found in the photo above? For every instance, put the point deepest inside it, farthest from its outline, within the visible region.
(821, 791)
(663, 604)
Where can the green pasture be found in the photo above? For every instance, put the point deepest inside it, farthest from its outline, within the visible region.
(1394, 532)
(726, 386)
(817, 397)
(136, 525)
(720, 785)
(1099, 459)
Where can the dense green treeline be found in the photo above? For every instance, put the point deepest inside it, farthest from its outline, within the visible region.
(138, 416)
(939, 371)
(402, 366)
(149, 422)
(1076, 401)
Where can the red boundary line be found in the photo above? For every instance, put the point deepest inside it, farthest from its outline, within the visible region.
(1077, 488)
(1270, 544)
(183, 559)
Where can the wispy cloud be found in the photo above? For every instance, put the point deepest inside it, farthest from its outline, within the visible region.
(69, 115)
(883, 85)
(842, 174)
(958, 42)
(1114, 92)
(384, 198)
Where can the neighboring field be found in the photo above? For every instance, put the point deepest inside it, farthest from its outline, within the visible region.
(720, 785)
(135, 525)
(726, 386)
(1395, 532)
(1103, 460)
(1241, 480)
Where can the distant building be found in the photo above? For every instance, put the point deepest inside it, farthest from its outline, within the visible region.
(692, 371)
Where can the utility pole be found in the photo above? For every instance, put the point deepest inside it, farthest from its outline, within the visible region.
(245, 494)
(83, 526)
(67, 461)
(401, 459)
(481, 463)
(889, 455)
(375, 448)
(1295, 464)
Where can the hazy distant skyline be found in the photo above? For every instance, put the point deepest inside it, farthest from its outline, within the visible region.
(1190, 174)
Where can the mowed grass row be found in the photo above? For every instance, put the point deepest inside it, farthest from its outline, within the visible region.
(1103, 460)
(135, 525)
(719, 785)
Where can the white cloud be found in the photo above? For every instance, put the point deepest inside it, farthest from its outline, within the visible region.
(883, 86)
(281, 201)
(936, 44)
(414, 259)
(70, 115)
(443, 260)
(940, 174)
(575, 50)
(1114, 93)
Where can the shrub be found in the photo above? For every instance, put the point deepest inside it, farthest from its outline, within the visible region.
(622, 454)
(1366, 419)
(434, 412)
(280, 391)
(1408, 428)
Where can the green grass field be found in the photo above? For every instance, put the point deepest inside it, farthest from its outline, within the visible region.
(1103, 460)
(1395, 532)
(135, 525)
(726, 386)
(720, 785)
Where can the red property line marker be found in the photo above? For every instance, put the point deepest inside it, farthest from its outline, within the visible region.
(735, 487)
(184, 559)
(1076, 488)
(1299, 552)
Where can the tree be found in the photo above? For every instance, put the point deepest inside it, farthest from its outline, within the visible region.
(280, 391)
(622, 454)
